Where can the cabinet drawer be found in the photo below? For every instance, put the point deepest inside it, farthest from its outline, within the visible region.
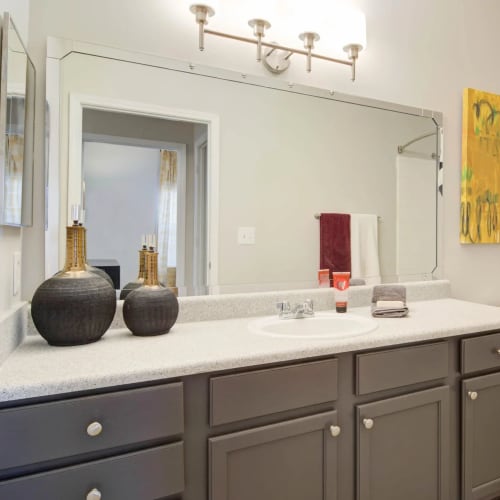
(399, 367)
(262, 392)
(481, 353)
(48, 431)
(145, 475)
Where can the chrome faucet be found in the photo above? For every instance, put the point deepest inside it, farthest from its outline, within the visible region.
(297, 311)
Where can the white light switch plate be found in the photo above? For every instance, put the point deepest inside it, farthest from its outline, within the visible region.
(246, 236)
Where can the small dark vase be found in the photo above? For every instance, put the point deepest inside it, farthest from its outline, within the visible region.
(75, 306)
(140, 278)
(133, 285)
(151, 309)
(101, 273)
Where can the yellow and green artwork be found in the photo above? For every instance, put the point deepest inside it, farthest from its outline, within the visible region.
(480, 184)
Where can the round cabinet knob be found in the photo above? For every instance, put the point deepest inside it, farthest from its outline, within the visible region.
(472, 395)
(93, 430)
(368, 423)
(95, 494)
(497, 351)
(334, 430)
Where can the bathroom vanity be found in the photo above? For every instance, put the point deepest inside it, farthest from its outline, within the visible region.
(212, 411)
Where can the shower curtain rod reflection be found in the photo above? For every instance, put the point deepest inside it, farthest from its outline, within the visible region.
(401, 149)
(317, 216)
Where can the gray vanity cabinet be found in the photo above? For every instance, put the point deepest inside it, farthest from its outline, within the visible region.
(121, 445)
(481, 437)
(291, 460)
(403, 447)
(480, 418)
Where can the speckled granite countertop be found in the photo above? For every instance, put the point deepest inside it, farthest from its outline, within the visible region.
(36, 369)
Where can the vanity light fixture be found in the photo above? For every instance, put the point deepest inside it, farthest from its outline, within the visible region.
(277, 58)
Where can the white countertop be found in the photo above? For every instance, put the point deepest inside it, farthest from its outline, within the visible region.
(36, 369)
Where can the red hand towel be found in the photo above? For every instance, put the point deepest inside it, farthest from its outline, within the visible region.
(335, 242)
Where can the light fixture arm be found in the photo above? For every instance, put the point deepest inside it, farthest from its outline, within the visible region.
(202, 13)
(353, 53)
(276, 46)
(259, 30)
(309, 38)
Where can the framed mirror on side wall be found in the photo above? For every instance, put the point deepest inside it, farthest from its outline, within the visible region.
(17, 121)
(274, 156)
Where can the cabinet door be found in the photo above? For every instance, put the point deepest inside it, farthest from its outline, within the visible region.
(481, 437)
(403, 447)
(293, 460)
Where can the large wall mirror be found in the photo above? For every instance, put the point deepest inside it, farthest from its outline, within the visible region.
(256, 161)
(17, 121)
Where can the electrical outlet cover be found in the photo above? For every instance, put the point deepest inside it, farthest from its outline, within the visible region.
(246, 236)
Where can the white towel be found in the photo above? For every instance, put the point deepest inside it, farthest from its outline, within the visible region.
(364, 248)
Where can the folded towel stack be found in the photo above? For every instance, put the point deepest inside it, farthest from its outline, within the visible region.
(389, 301)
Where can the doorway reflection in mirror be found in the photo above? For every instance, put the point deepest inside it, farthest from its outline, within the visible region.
(141, 175)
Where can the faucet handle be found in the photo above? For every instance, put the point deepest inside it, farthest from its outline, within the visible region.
(283, 306)
(309, 306)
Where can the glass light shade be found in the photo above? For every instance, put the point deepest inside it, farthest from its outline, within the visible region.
(352, 28)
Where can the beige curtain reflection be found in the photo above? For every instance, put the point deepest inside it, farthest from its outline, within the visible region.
(167, 218)
(14, 179)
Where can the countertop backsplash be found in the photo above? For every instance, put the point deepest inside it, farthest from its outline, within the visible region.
(245, 305)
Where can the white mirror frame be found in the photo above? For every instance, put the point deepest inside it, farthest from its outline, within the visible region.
(57, 49)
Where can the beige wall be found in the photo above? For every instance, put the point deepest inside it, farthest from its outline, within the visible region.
(421, 53)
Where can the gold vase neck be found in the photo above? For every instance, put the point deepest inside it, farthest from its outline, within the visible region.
(75, 248)
(142, 263)
(151, 278)
(84, 244)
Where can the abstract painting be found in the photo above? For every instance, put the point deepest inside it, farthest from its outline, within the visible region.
(480, 181)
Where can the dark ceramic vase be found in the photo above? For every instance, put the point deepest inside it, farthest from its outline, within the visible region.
(133, 285)
(101, 273)
(142, 274)
(150, 309)
(75, 306)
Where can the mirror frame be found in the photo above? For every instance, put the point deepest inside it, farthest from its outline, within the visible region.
(29, 127)
(58, 49)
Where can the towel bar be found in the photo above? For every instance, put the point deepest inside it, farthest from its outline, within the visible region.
(317, 216)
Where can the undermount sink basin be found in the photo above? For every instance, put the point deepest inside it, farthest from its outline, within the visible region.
(323, 325)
